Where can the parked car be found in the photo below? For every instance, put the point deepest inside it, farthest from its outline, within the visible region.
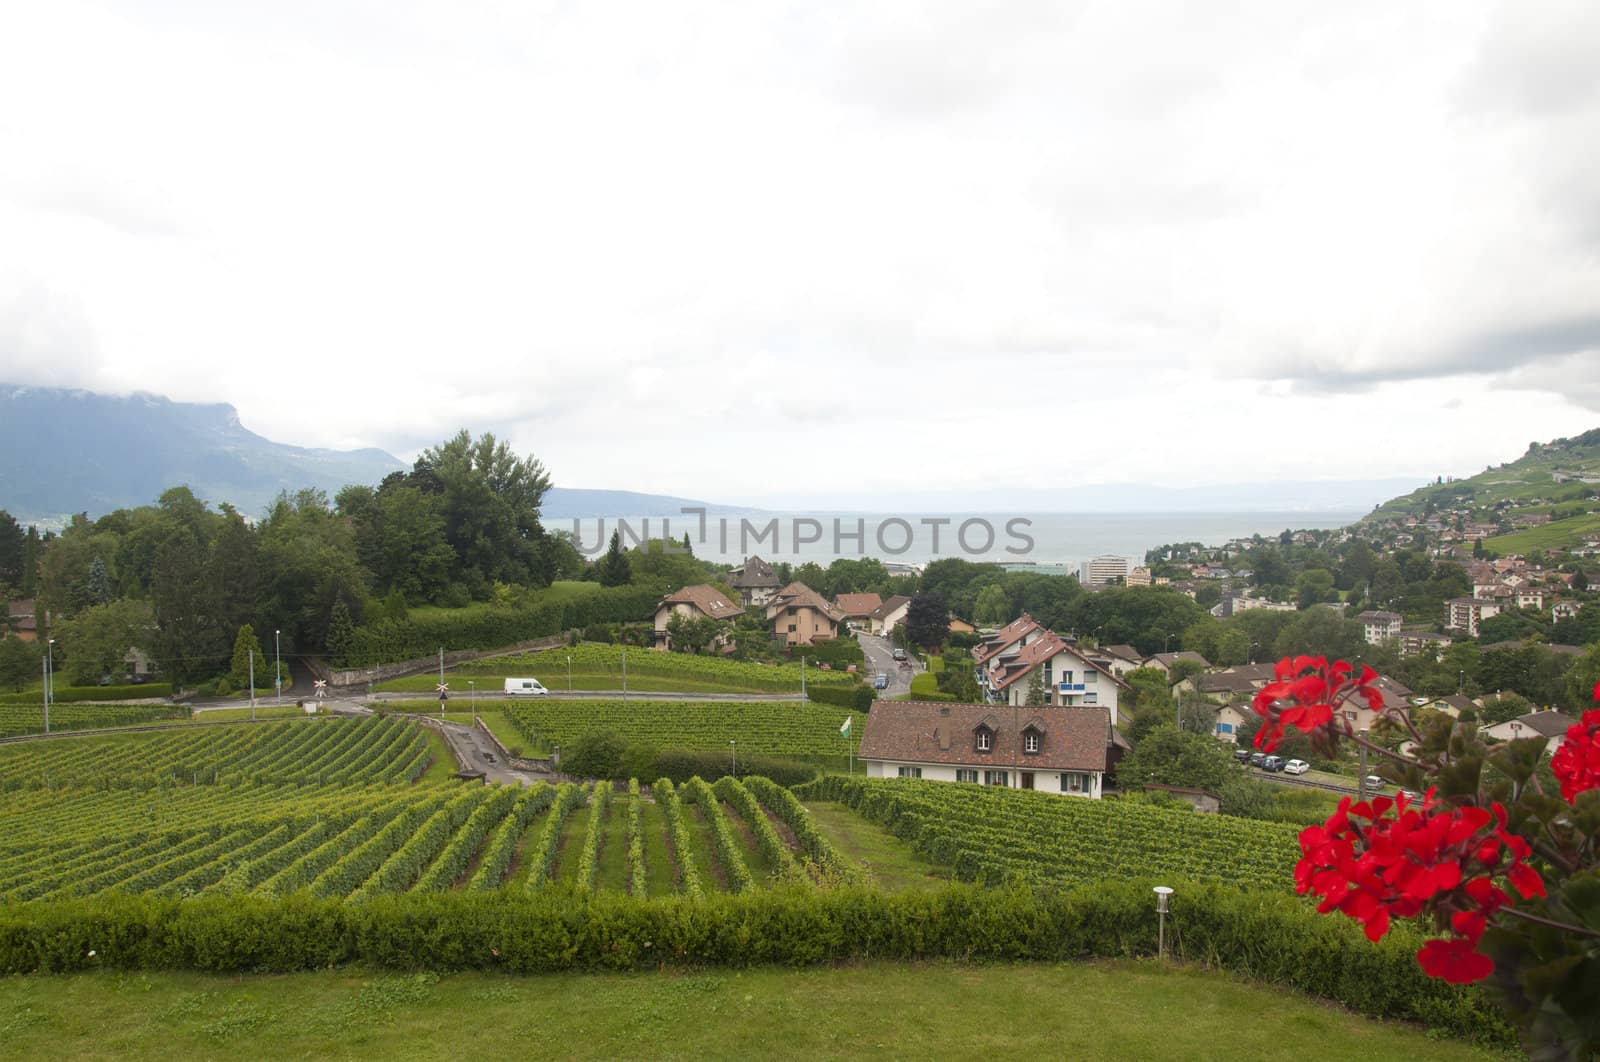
(881, 682)
(1242, 755)
(1373, 784)
(1256, 758)
(899, 654)
(1272, 763)
(1411, 794)
(1296, 767)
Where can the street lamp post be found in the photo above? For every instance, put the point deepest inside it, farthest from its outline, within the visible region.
(50, 657)
(472, 687)
(44, 690)
(1162, 894)
(277, 667)
(733, 750)
(569, 672)
(1253, 647)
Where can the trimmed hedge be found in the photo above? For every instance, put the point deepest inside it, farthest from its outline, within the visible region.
(1278, 939)
(92, 694)
(388, 640)
(858, 697)
(680, 765)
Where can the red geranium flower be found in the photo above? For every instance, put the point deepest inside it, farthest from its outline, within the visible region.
(1374, 866)
(1577, 762)
(1304, 694)
(1457, 961)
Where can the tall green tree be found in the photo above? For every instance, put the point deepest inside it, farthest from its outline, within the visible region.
(13, 551)
(97, 640)
(1169, 756)
(489, 499)
(188, 642)
(612, 569)
(927, 619)
(19, 662)
(341, 634)
(246, 643)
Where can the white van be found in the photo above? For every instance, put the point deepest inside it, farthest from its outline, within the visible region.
(525, 687)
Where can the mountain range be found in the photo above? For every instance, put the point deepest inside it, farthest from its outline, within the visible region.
(69, 451)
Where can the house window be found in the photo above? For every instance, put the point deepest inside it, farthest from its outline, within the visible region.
(1075, 782)
(999, 778)
(985, 740)
(792, 628)
(1224, 728)
(965, 774)
(1030, 741)
(1066, 676)
(1091, 698)
(1090, 676)
(910, 772)
(1047, 671)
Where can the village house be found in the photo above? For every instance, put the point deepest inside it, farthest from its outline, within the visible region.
(1052, 749)
(21, 619)
(1465, 613)
(960, 626)
(1163, 661)
(858, 608)
(1564, 610)
(1416, 643)
(692, 602)
(1123, 658)
(1068, 677)
(1453, 705)
(755, 582)
(799, 616)
(889, 615)
(1019, 631)
(1552, 726)
(1379, 626)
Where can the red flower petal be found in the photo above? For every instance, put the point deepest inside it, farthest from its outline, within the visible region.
(1526, 880)
(1456, 961)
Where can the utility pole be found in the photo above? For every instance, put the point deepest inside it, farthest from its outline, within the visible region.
(252, 685)
(1361, 782)
(44, 689)
(802, 676)
(624, 675)
(277, 667)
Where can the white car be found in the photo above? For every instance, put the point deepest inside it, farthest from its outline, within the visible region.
(525, 687)
(1296, 767)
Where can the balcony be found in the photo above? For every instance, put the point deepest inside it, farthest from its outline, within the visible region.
(1070, 687)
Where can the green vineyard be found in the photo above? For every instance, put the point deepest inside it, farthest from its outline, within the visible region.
(324, 752)
(19, 719)
(593, 658)
(995, 835)
(774, 728)
(369, 840)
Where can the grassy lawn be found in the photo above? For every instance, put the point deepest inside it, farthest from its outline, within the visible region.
(889, 861)
(658, 872)
(1122, 1010)
(444, 766)
(497, 723)
(612, 874)
(262, 711)
(571, 845)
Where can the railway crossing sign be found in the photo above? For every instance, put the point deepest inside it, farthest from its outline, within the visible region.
(444, 691)
(322, 688)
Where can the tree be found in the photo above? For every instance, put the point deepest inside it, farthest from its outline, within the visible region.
(97, 584)
(341, 634)
(992, 606)
(244, 644)
(612, 569)
(187, 641)
(927, 619)
(13, 550)
(97, 640)
(693, 634)
(1169, 756)
(489, 500)
(19, 662)
(1036, 689)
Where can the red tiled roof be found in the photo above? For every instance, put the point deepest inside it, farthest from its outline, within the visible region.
(799, 595)
(857, 605)
(1071, 739)
(705, 597)
(1004, 638)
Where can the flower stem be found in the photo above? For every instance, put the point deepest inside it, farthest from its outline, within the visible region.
(1552, 923)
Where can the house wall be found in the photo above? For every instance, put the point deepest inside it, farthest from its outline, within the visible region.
(1101, 686)
(810, 625)
(887, 625)
(1043, 781)
(1229, 719)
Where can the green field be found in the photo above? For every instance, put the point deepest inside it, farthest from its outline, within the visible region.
(775, 728)
(1558, 534)
(1124, 1010)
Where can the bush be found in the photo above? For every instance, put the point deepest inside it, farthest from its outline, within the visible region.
(925, 687)
(858, 697)
(835, 652)
(680, 765)
(1278, 939)
(595, 756)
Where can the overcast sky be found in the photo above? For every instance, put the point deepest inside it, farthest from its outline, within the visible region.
(773, 253)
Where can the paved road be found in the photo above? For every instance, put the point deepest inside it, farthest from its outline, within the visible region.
(880, 658)
(474, 751)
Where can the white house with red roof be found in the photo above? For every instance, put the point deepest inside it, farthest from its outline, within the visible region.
(692, 602)
(1051, 749)
(1071, 678)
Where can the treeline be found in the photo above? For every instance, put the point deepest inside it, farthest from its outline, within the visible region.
(180, 581)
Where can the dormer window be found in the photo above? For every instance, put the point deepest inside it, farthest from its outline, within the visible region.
(985, 739)
(1030, 741)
